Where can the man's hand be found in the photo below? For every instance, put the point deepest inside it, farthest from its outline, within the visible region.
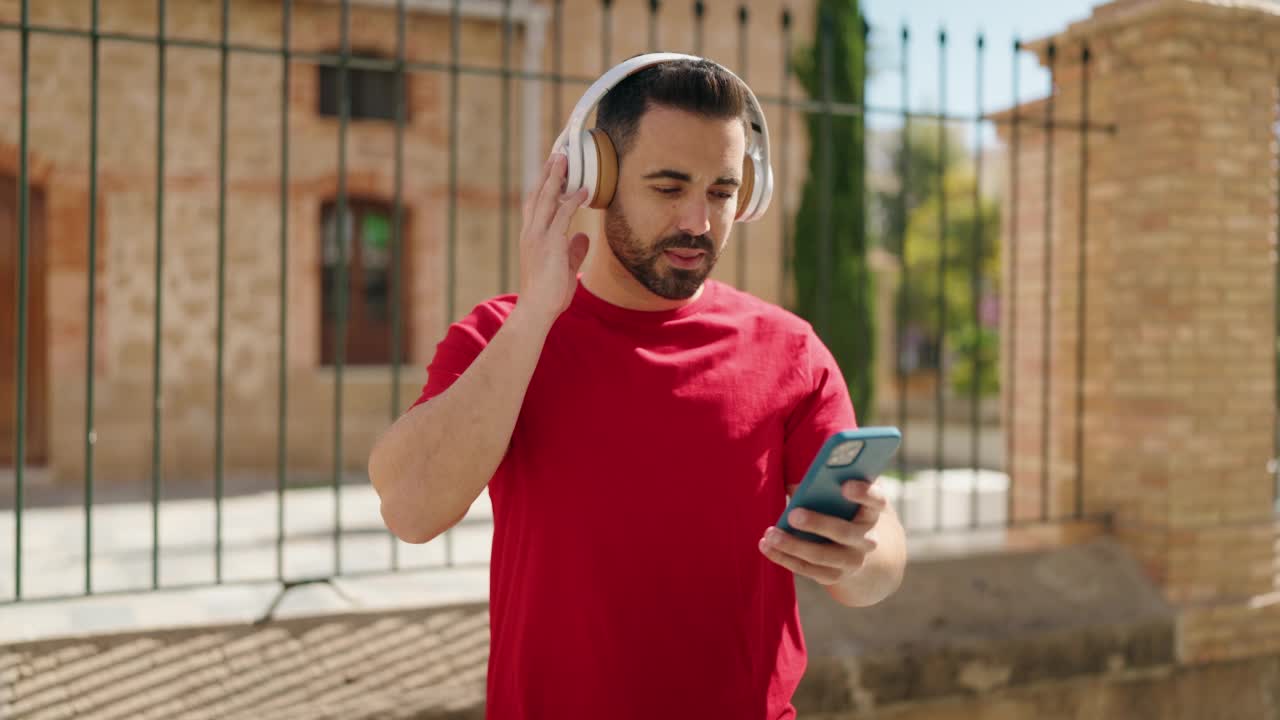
(549, 257)
(865, 560)
(852, 540)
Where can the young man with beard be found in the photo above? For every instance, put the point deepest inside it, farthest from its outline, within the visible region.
(639, 428)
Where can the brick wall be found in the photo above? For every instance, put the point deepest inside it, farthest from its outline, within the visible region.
(59, 152)
(1178, 416)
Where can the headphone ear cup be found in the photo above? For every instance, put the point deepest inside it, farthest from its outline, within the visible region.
(606, 175)
(748, 186)
(587, 170)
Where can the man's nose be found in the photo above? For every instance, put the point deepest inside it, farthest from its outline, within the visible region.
(695, 217)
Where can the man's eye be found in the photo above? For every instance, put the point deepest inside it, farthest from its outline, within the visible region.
(667, 190)
(723, 195)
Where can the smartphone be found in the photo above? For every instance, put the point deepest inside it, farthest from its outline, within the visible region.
(849, 455)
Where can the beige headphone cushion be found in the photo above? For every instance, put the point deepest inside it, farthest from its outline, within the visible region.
(606, 169)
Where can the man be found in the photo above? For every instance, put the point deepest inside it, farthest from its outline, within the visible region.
(639, 429)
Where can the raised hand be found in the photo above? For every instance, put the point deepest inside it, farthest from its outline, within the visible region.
(549, 260)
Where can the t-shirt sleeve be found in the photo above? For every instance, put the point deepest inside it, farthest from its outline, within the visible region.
(823, 409)
(461, 346)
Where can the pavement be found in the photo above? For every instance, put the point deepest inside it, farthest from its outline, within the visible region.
(310, 571)
(448, 570)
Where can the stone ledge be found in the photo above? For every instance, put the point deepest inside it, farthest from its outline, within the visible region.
(960, 627)
(966, 626)
(423, 664)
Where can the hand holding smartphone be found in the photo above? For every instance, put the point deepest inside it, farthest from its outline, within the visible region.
(849, 455)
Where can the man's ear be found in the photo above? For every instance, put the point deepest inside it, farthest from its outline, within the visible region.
(578, 246)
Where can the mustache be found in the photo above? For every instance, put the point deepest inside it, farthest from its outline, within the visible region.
(685, 241)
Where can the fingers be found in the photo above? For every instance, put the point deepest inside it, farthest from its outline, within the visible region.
(531, 199)
(865, 494)
(851, 541)
(546, 204)
(822, 573)
(871, 498)
(838, 530)
(570, 205)
(845, 536)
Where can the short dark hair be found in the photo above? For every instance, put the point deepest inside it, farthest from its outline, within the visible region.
(697, 86)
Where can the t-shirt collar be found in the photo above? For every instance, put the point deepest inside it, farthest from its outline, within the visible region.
(587, 301)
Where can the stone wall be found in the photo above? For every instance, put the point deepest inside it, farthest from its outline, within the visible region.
(1178, 405)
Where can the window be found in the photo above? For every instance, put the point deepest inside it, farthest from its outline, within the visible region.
(371, 93)
(368, 297)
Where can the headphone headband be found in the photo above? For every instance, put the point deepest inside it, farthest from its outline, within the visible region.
(570, 140)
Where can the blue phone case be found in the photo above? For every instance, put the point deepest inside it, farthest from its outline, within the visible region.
(847, 455)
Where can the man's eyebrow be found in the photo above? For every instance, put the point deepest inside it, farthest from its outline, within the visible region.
(686, 177)
(668, 173)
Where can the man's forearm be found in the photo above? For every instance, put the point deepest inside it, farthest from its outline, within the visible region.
(435, 460)
(882, 572)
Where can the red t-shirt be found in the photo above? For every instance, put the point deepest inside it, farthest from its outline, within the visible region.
(650, 454)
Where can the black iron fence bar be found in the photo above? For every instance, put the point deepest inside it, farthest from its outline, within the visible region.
(557, 64)
(24, 244)
(1011, 402)
(840, 109)
(370, 573)
(455, 41)
(742, 244)
(976, 290)
(699, 8)
(1082, 279)
(784, 165)
(343, 235)
(221, 328)
(90, 434)
(606, 33)
(1046, 328)
(939, 348)
(504, 152)
(455, 124)
(282, 403)
(904, 178)
(157, 350)
(654, 7)
(397, 221)
(825, 142)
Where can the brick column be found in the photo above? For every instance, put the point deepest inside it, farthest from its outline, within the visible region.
(1178, 420)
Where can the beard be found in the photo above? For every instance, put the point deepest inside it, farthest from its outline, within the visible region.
(647, 263)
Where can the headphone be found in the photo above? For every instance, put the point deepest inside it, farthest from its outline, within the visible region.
(593, 161)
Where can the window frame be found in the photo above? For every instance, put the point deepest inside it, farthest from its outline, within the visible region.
(357, 345)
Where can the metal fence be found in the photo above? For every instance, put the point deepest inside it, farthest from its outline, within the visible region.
(1052, 125)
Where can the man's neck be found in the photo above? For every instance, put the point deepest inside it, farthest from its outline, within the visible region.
(608, 280)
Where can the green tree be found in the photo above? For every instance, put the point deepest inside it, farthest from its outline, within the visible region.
(966, 226)
(925, 163)
(844, 314)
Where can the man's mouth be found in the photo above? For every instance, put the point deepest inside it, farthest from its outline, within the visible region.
(684, 258)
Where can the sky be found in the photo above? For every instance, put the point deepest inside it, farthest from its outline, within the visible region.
(999, 20)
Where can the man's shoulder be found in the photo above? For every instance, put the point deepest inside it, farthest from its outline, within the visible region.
(487, 316)
(759, 311)
(499, 305)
